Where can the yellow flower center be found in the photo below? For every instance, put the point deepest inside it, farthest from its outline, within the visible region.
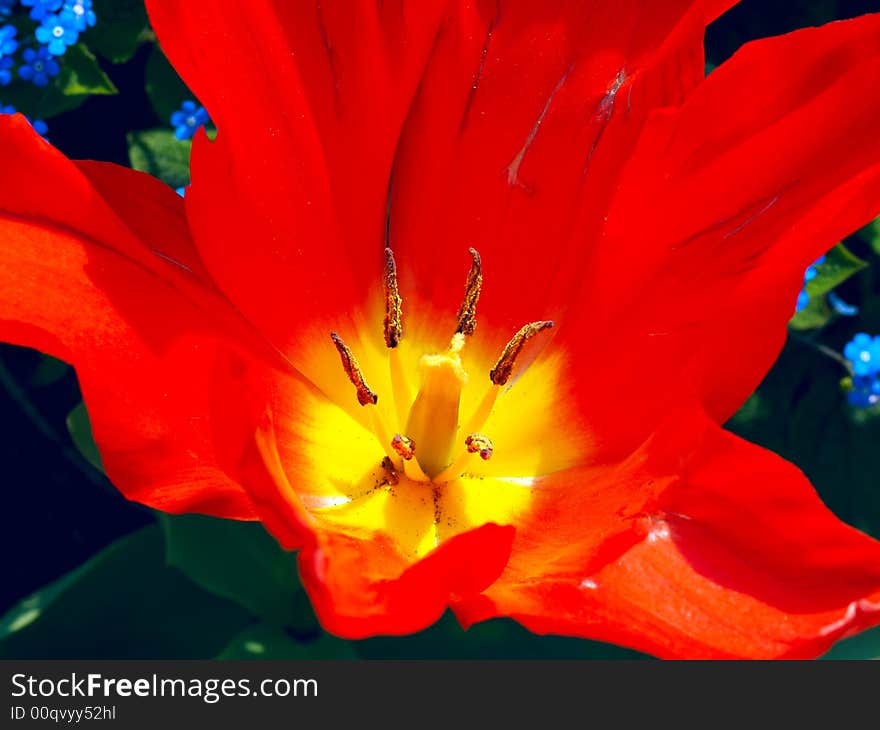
(445, 442)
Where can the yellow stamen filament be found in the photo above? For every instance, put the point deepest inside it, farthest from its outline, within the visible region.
(467, 313)
(503, 369)
(459, 466)
(393, 303)
(475, 443)
(352, 369)
(400, 390)
(483, 411)
(383, 434)
(478, 443)
(404, 446)
(499, 376)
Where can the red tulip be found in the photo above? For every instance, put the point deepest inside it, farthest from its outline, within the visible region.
(447, 446)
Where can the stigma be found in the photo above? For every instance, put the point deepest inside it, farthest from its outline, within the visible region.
(433, 441)
(434, 415)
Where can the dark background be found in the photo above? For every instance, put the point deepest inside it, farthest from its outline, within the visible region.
(57, 509)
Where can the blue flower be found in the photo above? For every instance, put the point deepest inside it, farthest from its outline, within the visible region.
(8, 46)
(8, 43)
(41, 8)
(82, 10)
(38, 66)
(5, 71)
(863, 352)
(864, 392)
(181, 191)
(6, 7)
(8, 109)
(803, 300)
(188, 119)
(58, 32)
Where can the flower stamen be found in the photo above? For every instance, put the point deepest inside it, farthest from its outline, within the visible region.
(503, 369)
(352, 369)
(365, 395)
(393, 303)
(460, 465)
(404, 446)
(467, 313)
(478, 443)
(431, 419)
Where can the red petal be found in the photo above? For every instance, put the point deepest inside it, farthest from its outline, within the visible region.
(76, 282)
(363, 587)
(250, 389)
(723, 205)
(524, 115)
(147, 209)
(723, 551)
(288, 206)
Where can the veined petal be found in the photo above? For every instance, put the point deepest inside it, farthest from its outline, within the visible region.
(723, 204)
(724, 551)
(288, 205)
(141, 331)
(524, 116)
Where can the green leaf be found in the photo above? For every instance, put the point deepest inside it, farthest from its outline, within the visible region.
(81, 75)
(165, 88)
(120, 28)
(160, 153)
(268, 642)
(124, 603)
(815, 315)
(80, 429)
(80, 78)
(872, 230)
(242, 562)
(40, 103)
(838, 266)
